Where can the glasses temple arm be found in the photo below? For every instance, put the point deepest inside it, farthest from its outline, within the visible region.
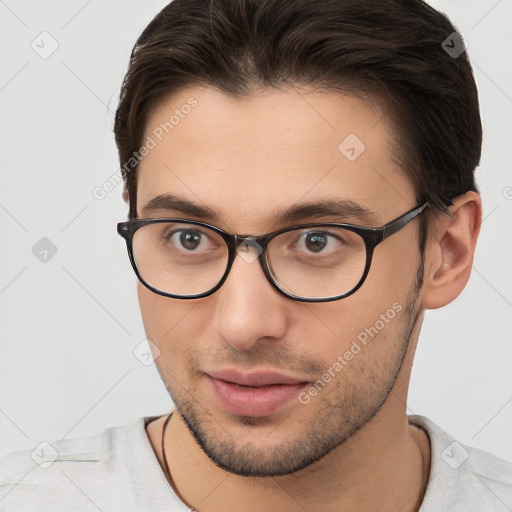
(398, 224)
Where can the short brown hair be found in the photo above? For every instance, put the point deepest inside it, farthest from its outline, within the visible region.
(373, 49)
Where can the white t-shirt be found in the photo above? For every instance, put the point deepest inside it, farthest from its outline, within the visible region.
(117, 470)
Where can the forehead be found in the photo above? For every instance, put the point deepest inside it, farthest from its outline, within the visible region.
(248, 157)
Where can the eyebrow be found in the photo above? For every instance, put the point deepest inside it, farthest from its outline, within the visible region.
(328, 207)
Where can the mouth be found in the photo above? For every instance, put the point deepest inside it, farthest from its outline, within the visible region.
(254, 394)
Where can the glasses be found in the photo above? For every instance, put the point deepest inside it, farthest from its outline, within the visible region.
(189, 259)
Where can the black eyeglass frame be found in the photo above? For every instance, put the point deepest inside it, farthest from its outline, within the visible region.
(372, 237)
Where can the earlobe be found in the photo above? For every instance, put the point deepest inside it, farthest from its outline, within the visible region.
(449, 254)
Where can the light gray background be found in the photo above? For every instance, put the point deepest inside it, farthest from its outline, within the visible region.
(69, 326)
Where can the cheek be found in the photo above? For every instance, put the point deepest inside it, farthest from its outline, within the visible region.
(174, 326)
(367, 325)
(163, 318)
(393, 272)
(152, 308)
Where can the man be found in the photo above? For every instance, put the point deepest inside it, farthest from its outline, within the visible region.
(300, 178)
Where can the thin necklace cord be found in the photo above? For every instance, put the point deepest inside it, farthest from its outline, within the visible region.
(166, 466)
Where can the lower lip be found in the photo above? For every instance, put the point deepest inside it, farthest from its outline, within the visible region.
(253, 401)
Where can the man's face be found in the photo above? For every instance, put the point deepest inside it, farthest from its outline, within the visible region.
(248, 159)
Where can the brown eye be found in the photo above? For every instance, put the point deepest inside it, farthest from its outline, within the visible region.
(187, 240)
(318, 242)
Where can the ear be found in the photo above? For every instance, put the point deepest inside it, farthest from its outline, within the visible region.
(125, 194)
(450, 250)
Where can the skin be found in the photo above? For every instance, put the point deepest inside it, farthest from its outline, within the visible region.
(248, 158)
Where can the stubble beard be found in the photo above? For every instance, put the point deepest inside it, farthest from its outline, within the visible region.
(342, 413)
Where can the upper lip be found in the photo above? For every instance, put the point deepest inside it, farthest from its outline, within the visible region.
(254, 378)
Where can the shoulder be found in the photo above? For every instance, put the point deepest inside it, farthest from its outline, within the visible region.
(463, 478)
(65, 471)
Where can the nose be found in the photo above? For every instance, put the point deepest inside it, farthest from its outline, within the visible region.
(247, 306)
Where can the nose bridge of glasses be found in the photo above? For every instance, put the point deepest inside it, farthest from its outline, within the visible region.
(249, 247)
